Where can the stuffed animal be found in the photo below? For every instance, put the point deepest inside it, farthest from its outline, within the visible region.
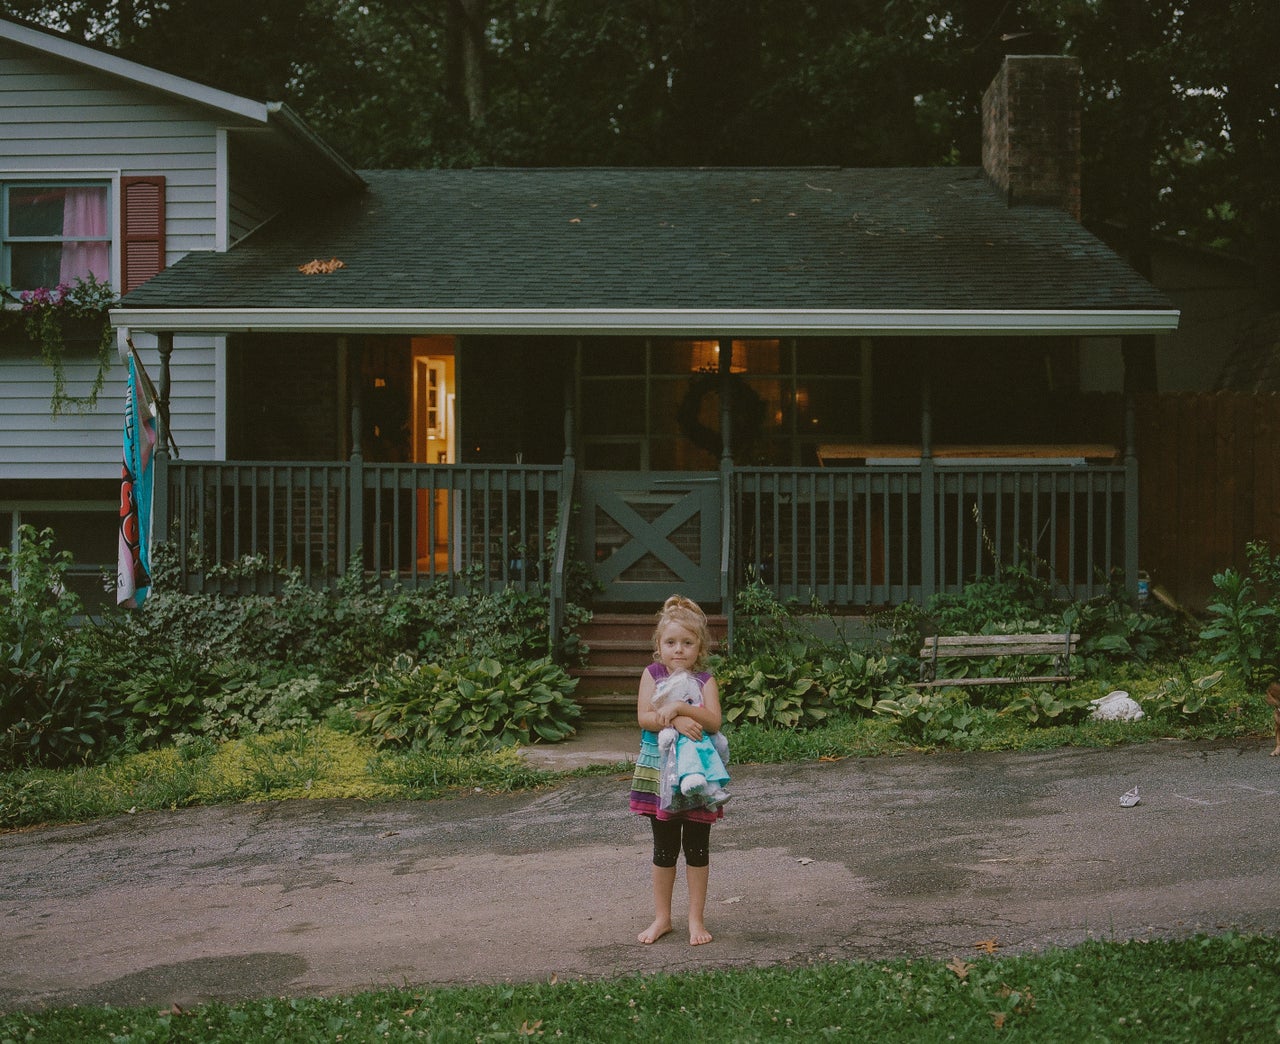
(696, 768)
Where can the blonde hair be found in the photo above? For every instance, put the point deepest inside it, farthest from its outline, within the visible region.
(688, 614)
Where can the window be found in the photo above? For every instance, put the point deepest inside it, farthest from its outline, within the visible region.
(54, 233)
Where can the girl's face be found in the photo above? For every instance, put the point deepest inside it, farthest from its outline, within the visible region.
(678, 647)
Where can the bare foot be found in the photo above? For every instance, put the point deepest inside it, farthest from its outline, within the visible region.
(655, 931)
(698, 934)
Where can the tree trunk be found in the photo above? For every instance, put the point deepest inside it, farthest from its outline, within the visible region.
(465, 59)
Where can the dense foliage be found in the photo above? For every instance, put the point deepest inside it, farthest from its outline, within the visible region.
(794, 666)
(1244, 628)
(213, 667)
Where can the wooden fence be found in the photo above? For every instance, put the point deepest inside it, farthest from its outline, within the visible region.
(1209, 481)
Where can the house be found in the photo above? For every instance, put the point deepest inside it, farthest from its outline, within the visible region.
(859, 385)
(158, 166)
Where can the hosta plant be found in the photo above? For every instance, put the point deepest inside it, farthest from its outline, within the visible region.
(467, 705)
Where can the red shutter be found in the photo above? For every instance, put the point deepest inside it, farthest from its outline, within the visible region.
(141, 229)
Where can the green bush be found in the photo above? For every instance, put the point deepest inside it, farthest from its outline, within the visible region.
(1194, 699)
(1244, 630)
(272, 703)
(166, 697)
(781, 691)
(856, 681)
(1045, 706)
(49, 715)
(466, 705)
(1011, 598)
(1112, 631)
(763, 623)
(935, 716)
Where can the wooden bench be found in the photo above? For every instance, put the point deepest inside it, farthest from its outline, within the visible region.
(989, 646)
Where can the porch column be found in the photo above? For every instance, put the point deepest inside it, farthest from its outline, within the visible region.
(160, 481)
(355, 472)
(557, 592)
(726, 403)
(1131, 497)
(570, 414)
(726, 481)
(928, 493)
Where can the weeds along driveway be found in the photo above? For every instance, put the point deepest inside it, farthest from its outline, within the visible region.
(926, 854)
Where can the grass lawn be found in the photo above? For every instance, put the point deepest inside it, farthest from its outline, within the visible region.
(1203, 989)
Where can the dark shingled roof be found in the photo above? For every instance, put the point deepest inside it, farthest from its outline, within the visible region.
(815, 238)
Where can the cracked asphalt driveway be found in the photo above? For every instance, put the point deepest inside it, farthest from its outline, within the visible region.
(919, 855)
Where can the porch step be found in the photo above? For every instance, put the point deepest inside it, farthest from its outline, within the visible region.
(620, 646)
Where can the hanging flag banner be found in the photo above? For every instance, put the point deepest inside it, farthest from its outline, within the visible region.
(133, 571)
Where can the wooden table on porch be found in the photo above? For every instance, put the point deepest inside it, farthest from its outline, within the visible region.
(891, 454)
(856, 453)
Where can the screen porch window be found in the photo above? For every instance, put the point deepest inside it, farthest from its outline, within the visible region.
(55, 233)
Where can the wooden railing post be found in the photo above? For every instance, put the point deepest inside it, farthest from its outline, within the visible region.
(355, 487)
(928, 494)
(1131, 498)
(726, 484)
(558, 595)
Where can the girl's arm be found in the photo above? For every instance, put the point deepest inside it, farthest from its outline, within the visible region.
(645, 714)
(690, 721)
(708, 715)
(694, 721)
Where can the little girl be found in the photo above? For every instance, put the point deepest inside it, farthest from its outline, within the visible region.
(680, 643)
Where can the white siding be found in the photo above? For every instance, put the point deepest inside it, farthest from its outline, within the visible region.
(60, 119)
(74, 445)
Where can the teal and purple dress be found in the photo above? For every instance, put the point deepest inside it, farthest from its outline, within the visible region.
(646, 780)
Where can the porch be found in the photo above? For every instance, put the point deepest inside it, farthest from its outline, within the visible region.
(874, 532)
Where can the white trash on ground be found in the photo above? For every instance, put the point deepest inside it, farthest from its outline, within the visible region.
(1116, 706)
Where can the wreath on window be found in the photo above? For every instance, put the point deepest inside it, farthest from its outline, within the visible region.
(746, 410)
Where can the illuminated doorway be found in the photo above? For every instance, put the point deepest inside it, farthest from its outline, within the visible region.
(434, 440)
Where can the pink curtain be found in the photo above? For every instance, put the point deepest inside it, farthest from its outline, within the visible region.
(84, 213)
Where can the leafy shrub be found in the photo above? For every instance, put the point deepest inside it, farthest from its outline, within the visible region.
(272, 703)
(935, 716)
(166, 696)
(1193, 699)
(48, 714)
(1011, 598)
(466, 705)
(1044, 706)
(1244, 631)
(1113, 631)
(763, 623)
(856, 681)
(780, 690)
(334, 634)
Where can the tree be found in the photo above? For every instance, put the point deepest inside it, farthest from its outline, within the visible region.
(1181, 96)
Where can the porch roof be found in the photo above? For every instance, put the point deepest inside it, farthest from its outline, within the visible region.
(766, 250)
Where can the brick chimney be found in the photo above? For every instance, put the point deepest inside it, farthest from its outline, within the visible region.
(1031, 131)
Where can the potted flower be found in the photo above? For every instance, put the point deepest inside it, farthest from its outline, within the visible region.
(59, 319)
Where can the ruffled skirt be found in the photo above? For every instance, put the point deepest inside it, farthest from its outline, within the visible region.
(646, 786)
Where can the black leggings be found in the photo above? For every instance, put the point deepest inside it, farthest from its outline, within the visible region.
(667, 842)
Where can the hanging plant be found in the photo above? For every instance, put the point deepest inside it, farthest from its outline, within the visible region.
(45, 314)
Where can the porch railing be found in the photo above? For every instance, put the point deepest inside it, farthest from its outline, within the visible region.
(488, 527)
(881, 535)
(862, 536)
